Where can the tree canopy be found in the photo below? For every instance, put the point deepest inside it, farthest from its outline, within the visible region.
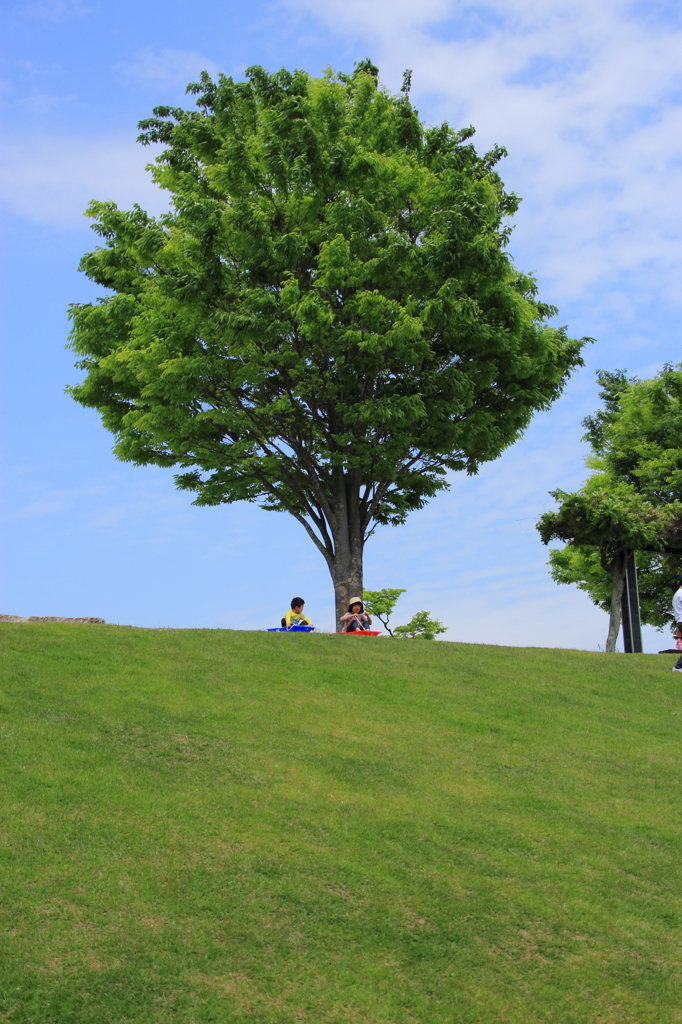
(327, 321)
(638, 434)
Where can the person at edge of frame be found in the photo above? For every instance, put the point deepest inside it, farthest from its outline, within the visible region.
(677, 612)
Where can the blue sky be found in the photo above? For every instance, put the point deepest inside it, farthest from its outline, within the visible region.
(586, 97)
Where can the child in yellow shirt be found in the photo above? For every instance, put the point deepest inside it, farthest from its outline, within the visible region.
(296, 617)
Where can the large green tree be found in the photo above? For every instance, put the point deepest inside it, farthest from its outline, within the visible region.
(327, 320)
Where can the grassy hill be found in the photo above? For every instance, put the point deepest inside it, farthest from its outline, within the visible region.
(212, 826)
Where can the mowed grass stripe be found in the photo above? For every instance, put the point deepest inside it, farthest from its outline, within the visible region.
(219, 826)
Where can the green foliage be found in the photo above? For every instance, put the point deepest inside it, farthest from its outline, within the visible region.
(381, 604)
(421, 627)
(643, 444)
(327, 321)
(609, 518)
(633, 501)
(248, 828)
(637, 436)
(656, 576)
(613, 385)
(582, 567)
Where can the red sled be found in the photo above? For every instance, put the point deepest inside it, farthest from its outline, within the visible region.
(362, 632)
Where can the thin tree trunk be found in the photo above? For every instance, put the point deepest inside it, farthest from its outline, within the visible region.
(617, 580)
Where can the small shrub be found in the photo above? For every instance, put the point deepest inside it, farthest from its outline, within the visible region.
(421, 626)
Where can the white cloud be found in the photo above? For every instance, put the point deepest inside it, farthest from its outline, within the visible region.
(586, 98)
(43, 103)
(56, 10)
(170, 67)
(52, 180)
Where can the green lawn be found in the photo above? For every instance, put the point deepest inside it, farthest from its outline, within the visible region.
(215, 826)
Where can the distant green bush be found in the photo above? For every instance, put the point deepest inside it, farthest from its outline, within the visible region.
(422, 627)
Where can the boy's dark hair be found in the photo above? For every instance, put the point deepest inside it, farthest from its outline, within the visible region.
(297, 602)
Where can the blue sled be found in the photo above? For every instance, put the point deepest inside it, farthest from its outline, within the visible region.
(292, 629)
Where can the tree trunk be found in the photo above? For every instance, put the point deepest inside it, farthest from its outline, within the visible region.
(346, 573)
(345, 564)
(617, 578)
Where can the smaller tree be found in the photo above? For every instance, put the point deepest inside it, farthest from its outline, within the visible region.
(381, 604)
(614, 520)
(633, 501)
(421, 627)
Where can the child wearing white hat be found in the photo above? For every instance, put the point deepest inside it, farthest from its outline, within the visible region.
(356, 617)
